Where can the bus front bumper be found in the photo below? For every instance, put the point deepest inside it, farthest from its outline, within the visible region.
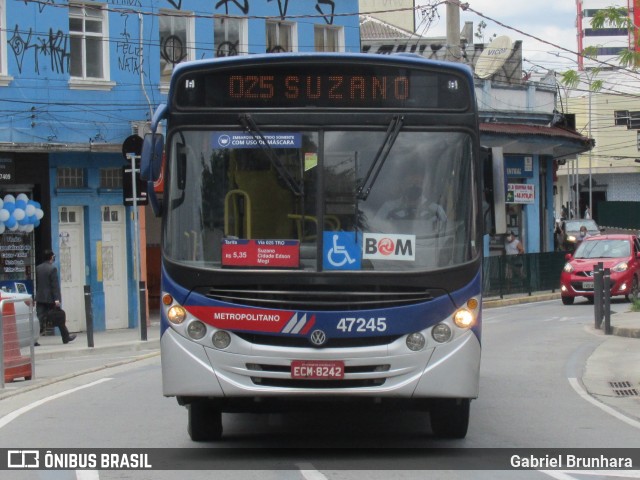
(449, 370)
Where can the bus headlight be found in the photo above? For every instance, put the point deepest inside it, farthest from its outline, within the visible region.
(196, 330)
(441, 333)
(416, 342)
(176, 314)
(463, 318)
(221, 339)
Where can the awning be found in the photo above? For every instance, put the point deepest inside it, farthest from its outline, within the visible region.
(528, 139)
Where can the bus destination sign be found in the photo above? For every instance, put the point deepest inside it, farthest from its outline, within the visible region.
(332, 86)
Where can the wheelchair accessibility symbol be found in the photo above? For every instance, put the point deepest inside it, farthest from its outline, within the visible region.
(341, 252)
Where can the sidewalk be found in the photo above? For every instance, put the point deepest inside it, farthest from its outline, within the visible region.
(55, 361)
(611, 374)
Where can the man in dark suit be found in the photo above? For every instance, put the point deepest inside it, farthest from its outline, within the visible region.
(48, 298)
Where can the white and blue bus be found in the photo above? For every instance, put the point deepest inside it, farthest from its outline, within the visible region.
(321, 236)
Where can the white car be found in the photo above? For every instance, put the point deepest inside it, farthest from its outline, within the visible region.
(21, 308)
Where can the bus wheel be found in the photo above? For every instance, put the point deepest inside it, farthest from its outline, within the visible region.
(205, 421)
(450, 417)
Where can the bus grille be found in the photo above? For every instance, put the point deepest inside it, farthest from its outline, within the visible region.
(316, 384)
(303, 342)
(327, 298)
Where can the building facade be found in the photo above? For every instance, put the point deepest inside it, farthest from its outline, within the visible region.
(608, 41)
(518, 120)
(609, 172)
(76, 80)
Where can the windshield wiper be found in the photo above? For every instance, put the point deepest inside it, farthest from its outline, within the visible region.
(378, 161)
(252, 128)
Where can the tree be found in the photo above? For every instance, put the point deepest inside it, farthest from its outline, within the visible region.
(617, 17)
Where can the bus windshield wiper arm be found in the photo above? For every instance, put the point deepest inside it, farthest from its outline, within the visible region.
(252, 128)
(378, 161)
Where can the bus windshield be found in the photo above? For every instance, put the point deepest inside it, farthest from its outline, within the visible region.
(302, 187)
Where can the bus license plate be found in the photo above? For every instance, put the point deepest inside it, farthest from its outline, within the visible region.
(317, 369)
(587, 285)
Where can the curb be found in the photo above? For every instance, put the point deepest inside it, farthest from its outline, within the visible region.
(625, 332)
(133, 346)
(504, 302)
(51, 381)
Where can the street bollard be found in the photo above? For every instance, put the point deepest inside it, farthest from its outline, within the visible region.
(88, 314)
(143, 311)
(606, 281)
(597, 294)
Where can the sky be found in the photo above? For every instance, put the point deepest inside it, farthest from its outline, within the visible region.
(551, 21)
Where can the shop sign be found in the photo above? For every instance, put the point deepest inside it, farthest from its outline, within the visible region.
(7, 170)
(519, 167)
(521, 193)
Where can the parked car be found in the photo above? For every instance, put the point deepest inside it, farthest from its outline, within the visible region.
(619, 253)
(571, 232)
(21, 309)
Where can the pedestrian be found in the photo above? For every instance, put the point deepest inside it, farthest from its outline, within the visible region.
(587, 213)
(48, 298)
(558, 237)
(584, 233)
(513, 248)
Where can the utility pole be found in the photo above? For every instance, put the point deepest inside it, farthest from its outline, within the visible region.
(453, 31)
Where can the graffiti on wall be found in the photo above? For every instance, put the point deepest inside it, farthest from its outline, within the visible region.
(54, 46)
(283, 6)
(42, 4)
(128, 51)
(243, 6)
(126, 3)
(328, 17)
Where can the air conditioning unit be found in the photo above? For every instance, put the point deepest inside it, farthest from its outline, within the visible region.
(140, 128)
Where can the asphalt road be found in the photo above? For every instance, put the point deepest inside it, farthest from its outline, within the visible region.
(527, 400)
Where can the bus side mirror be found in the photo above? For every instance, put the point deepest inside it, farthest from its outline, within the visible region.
(151, 158)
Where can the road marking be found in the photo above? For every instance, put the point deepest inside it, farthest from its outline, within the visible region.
(16, 413)
(87, 475)
(560, 475)
(575, 384)
(309, 472)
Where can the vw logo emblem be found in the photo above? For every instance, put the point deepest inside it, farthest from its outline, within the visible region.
(318, 338)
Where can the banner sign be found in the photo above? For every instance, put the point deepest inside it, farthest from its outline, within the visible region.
(521, 193)
(612, 462)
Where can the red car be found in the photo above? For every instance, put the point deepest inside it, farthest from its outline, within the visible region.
(619, 253)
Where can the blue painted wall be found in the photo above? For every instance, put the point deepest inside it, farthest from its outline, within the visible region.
(44, 109)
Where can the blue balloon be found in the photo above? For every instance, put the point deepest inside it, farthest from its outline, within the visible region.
(11, 222)
(10, 207)
(21, 204)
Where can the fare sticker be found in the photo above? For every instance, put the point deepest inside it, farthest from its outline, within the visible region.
(261, 253)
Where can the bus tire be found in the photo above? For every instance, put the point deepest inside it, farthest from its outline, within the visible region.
(205, 421)
(450, 417)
